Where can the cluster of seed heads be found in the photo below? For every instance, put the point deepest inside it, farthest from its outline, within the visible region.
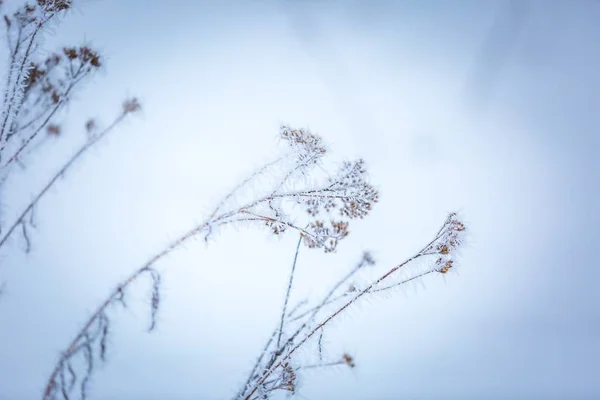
(347, 191)
(447, 243)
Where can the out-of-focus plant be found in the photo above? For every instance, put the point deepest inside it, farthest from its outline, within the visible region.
(36, 91)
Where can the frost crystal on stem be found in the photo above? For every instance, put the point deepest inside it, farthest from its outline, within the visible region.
(348, 188)
(299, 327)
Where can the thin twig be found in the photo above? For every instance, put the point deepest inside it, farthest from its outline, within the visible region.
(56, 176)
(322, 324)
(20, 72)
(330, 364)
(243, 183)
(270, 369)
(289, 289)
(33, 135)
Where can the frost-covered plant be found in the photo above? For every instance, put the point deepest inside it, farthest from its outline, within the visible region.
(278, 368)
(329, 204)
(37, 88)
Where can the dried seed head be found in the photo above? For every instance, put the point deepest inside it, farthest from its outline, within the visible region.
(35, 74)
(70, 52)
(367, 259)
(326, 236)
(349, 360)
(277, 227)
(53, 129)
(131, 105)
(443, 249)
(288, 378)
(87, 55)
(348, 190)
(446, 267)
(309, 148)
(90, 125)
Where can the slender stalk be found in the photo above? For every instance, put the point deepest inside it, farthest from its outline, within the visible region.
(449, 227)
(20, 73)
(115, 295)
(327, 320)
(330, 364)
(243, 183)
(289, 289)
(374, 290)
(27, 141)
(56, 176)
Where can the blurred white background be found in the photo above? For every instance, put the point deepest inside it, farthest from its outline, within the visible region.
(489, 108)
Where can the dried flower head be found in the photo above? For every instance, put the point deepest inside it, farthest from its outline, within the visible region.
(325, 235)
(349, 360)
(53, 129)
(307, 146)
(446, 267)
(367, 259)
(447, 242)
(131, 105)
(70, 52)
(288, 378)
(90, 125)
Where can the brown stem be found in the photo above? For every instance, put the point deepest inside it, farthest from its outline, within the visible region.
(322, 324)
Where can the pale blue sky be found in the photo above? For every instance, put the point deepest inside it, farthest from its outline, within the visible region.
(488, 107)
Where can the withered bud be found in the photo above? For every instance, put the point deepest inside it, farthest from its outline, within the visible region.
(90, 125)
(131, 105)
(458, 226)
(70, 52)
(52, 61)
(446, 267)
(53, 129)
(34, 75)
(443, 249)
(88, 55)
(349, 360)
(367, 259)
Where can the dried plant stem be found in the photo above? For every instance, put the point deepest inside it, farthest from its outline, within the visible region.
(270, 371)
(287, 294)
(21, 71)
(328, 297)
(116, 295)
(243, 183)
(446, 240)
(350, 192)
(61, 172)
(26, 143)
(329, 364)
(257, 364)
(344, 295)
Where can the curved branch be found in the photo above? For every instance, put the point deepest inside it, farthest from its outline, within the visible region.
(56, 176)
